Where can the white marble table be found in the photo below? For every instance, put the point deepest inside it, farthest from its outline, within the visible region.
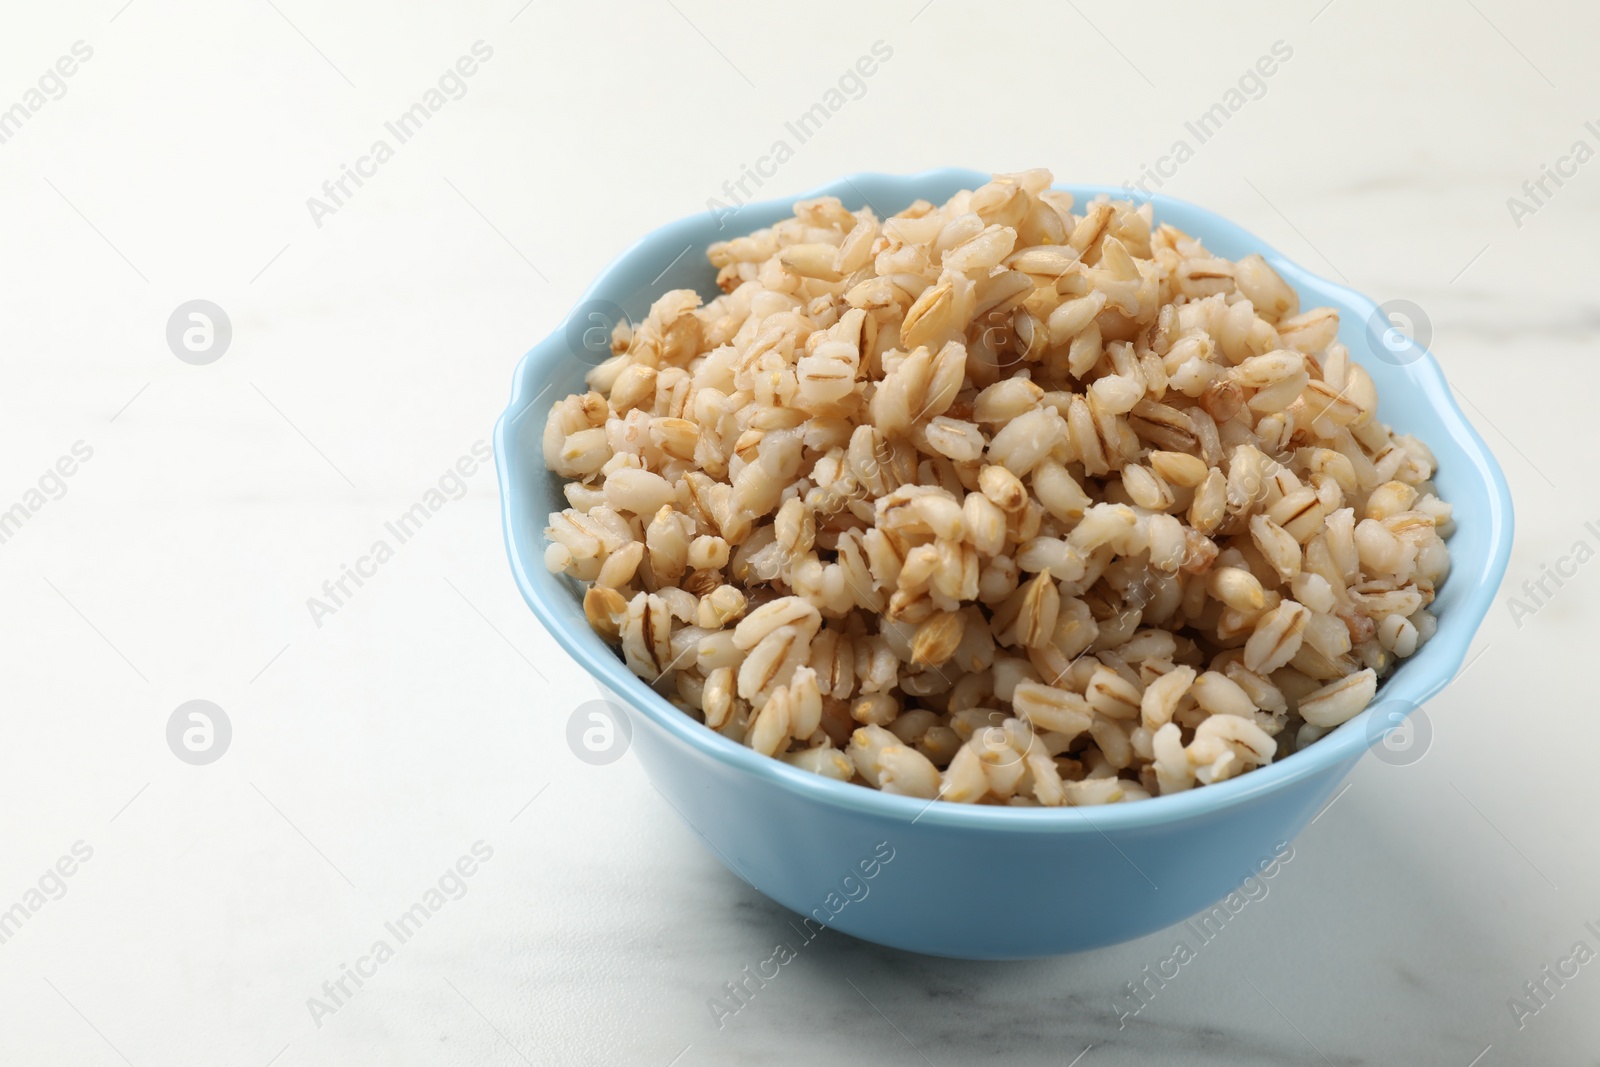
(375, 743)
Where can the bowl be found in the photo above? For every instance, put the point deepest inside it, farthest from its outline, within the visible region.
(959, 880)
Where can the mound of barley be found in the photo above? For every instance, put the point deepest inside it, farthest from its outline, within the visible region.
(997, 503)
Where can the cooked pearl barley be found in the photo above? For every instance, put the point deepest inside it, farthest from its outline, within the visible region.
(866, 750)
(1221, 695)
(907, 772)
(828, 762)
(1339, 701)
(708, 553)
(997, 502)
(638, 491)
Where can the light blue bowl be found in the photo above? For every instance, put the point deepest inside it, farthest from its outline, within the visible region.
(986, 882)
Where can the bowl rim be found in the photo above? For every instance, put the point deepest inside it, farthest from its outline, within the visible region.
(1445, 651)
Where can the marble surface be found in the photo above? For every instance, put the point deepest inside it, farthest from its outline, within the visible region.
(375, 744)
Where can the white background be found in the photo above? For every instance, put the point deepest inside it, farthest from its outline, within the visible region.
(371, 353)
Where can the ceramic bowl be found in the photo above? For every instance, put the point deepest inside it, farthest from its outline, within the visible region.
(960, 880)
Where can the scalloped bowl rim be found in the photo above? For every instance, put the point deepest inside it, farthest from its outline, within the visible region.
(1444, 652)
